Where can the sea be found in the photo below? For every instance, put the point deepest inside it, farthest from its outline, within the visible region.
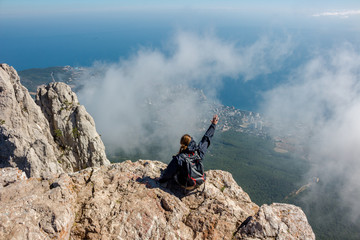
(80, 40)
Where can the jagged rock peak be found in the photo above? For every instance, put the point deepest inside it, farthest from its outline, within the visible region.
(25, 138)
(124, 201)
(69, 143)
(72, 126)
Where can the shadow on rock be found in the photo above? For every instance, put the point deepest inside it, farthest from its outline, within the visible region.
(170, 187)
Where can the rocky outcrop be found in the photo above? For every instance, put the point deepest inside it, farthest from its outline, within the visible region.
(277, 221)
(25, 138)
(124, 201)
(35, 208)
(63, 139)
(73, 128)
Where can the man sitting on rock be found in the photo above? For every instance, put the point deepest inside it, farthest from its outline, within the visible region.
(186, 167)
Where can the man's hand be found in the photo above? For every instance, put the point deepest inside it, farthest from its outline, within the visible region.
(215, 119)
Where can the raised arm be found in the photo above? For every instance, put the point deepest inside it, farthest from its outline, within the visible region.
(215, 119)
(205, 141)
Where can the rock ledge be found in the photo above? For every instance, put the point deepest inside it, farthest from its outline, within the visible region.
(124, 201)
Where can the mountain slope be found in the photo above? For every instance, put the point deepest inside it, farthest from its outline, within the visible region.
(117, 201)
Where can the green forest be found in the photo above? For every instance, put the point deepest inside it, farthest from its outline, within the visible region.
(32, 78)
(268, 176)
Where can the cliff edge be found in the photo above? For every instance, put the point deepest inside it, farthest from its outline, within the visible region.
(124, 201)
(56, 183)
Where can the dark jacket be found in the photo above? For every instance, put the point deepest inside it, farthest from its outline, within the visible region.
(201, 148)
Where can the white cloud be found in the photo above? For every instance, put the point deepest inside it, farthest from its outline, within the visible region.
(150, 98)
(324, 95)
(342, 14)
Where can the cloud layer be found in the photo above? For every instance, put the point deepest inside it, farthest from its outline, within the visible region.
(151, 99)
(324, 96)
(342, 14)
(146, 102)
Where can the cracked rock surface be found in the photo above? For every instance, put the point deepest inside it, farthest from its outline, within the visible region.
(276, 221)
(72, 127)
(124, 201)
(59, 136)
(25, 138)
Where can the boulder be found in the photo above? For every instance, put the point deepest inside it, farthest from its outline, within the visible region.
(276, 221)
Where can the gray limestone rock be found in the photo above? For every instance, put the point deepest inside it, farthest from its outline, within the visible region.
(277, 221)
(25, 138)
(124, 201)
(10, 175)
(60, 137)
(36, 208)
(72, 127)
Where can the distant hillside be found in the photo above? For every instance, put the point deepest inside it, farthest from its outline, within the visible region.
(32, 78)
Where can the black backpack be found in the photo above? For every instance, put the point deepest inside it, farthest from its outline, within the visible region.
(192, 170)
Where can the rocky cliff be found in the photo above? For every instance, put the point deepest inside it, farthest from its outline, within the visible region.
(42, 198)
(25, 138)
(72, 127)
(59, 136)
(124, 201)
